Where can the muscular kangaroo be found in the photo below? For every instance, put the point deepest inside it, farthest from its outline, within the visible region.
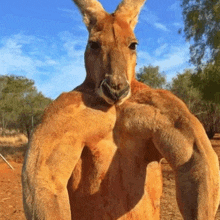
(96, 155)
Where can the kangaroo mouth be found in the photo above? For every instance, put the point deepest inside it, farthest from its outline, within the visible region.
(113, 96)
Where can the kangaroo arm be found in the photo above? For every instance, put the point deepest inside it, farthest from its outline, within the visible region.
(197, 188)
(196, 170)
(46, 172)
(47, 204)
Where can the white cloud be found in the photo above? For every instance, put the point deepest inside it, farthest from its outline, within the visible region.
(176, 57)
(176, 9)
(13, 58)
(143, 59)
(74, 46)
(152, 19)
(175, 6)
(176, 60)
(177, 24)
(55, 65)
(73, 14)
(149, 16)
(50, 62)
(161, 26)
(160, 50)
(65, 79)
(170, 59)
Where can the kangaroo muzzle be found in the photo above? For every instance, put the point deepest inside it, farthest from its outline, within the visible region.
(113, 90)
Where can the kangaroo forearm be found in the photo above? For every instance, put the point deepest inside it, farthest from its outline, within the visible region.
(195, 192)
(47, 205)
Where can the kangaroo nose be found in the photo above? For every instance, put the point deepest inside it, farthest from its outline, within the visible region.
(115, 84)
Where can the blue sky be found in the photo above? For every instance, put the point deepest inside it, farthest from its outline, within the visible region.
(45, 40)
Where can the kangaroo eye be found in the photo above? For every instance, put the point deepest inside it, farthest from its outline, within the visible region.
(94, 45)
(133, 46)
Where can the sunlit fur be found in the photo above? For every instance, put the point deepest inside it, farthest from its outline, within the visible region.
(94, 158)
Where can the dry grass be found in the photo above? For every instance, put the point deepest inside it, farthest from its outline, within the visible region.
(13, 147)
(13, 140)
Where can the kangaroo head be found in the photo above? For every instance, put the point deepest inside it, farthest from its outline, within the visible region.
(110, 56)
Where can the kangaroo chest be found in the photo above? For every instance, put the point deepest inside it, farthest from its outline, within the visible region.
(115, 180)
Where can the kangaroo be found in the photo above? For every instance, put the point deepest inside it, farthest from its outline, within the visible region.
(97, 153)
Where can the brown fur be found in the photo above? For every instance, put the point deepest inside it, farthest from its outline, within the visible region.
(96, 158)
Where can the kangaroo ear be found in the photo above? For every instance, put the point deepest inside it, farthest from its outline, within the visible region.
(129, 10)
(91, 10)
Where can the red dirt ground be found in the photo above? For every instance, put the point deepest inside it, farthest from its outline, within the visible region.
(10, 192)
(11, 197)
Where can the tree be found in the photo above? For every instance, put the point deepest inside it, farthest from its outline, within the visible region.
(183, 87)
(202, 25)
(208, 112)
(20, 105)
(151, 76)
(13, 90)
(208, 82)
(210, 118)
(31, 112)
